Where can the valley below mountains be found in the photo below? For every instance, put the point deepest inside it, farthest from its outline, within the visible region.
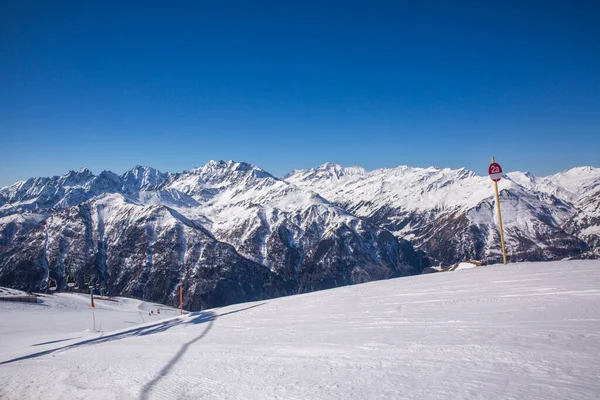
(231, 232)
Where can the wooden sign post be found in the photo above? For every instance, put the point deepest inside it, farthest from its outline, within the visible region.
(495, 172)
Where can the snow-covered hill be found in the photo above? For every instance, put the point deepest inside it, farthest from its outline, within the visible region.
(521, 331)
(450, 213)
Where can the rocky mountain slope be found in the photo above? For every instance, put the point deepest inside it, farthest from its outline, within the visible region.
(229, 231)
(233, 232)
(450, 214)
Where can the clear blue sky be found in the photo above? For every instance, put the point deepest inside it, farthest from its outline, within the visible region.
(294, 84)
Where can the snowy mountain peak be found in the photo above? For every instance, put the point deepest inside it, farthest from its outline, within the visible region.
(579, 172)
(526, 179)
(204, 182)
(327, 171)
(578, 181)
(216, 172)
(142, 177)
(329, 166)
(464, 173)
(73, 178)
(230, 165)
(106, 180)
(585, 169)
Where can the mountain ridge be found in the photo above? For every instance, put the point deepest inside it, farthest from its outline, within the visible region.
(427, 204)
(314, 229)
(129, 231)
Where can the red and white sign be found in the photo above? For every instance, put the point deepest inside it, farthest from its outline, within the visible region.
(495, 171)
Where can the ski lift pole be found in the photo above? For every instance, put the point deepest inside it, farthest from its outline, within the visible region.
(92, 294)
(181, 298)
(495, 172)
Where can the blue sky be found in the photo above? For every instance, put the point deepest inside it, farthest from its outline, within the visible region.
(288, 85)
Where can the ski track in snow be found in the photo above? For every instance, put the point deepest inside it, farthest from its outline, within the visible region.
(521, 331)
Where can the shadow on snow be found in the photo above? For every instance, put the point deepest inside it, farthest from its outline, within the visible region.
(55, 341)
(167, 368)
(193, 318)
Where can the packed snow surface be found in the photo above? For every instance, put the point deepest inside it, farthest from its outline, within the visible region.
(465, 265)
(521, 331)
(8, 292)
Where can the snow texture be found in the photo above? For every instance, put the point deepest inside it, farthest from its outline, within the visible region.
(521, 331)
(8, 292)
(465, 265)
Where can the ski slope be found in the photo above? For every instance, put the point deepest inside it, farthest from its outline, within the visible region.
(521, 331)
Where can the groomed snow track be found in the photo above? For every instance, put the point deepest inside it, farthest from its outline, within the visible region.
(521, 331)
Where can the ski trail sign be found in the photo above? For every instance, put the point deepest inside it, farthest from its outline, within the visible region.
(495, 172)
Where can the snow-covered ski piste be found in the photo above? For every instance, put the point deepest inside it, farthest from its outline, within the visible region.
(520, 331)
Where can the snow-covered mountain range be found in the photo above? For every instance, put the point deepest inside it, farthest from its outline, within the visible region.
(229, 231)
(232, 232)
(450, 214)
